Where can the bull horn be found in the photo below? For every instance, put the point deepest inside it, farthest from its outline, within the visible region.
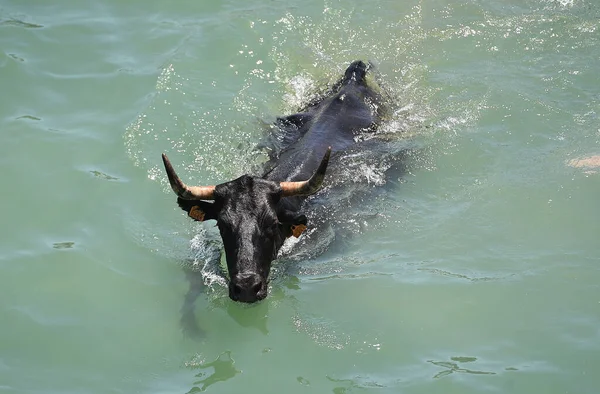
(306, 188)
(184, 191)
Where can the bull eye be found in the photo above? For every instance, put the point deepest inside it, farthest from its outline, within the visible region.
(224, 227)
(273, 228)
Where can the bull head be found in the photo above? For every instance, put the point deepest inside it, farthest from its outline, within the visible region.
(251, 219)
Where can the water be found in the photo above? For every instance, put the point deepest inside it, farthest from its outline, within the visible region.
(474, 269)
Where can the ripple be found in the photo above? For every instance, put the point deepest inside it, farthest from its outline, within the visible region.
(323, 332)
(223, 369)
(63, 245)
(461, 359)
(19, 23)
(437, 271)
(29, 117)
(42, 318)
(453, 367)
(101, 175)
(15, 57)
(358, 382)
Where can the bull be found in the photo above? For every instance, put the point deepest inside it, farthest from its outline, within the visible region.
(255, 214)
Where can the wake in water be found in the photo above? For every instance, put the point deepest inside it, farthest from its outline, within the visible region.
(360, 164)
(300, 62)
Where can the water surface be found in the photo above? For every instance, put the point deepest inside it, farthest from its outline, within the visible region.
(473, 269)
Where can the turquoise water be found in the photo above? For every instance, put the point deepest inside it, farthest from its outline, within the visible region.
(475, 269)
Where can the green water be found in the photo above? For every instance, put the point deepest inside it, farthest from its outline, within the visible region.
(476, 270)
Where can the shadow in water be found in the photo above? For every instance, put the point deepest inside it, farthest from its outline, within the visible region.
(254, 315)
(189, 324)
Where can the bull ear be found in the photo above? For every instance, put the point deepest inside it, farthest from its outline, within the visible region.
(293, 223)
(198, 210)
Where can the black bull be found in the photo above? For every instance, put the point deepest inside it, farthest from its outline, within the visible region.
(255, 214)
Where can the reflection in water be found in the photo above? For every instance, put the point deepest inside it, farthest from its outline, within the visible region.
(254, 315)
(189, 325)
(451, 367)
(223, 369)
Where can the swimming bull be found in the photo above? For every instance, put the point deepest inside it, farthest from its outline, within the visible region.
(255, 214)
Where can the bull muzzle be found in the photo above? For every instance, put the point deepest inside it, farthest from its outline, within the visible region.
(247, 287)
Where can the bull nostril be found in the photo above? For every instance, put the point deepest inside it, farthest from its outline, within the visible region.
(237, 289)
(257, 288)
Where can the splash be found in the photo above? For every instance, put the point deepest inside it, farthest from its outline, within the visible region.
(206, 250)
(286, 62)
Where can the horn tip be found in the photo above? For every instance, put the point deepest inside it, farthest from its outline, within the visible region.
(167, 163)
